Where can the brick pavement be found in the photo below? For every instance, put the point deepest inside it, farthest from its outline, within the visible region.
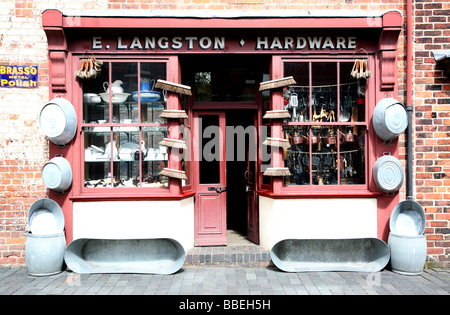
(227, 280)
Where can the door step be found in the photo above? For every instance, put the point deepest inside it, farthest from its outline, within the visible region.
(237, 256)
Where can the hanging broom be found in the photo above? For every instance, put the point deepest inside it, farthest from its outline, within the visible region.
(277, 171)
(173, 173)
(173, 113)
(173, 143)
(277, 142)
(273, 84)
(173, 87)
(274, 114)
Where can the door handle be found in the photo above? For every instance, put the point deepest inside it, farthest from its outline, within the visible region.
(217, 189)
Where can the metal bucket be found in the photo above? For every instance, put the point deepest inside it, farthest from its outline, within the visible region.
(58, 121)
(44, 254)
(154, 256)
(389, 119)
(57, 174)
(388, 173)
(45, 217)
(408, 253)
(408, 219)
(362, 254)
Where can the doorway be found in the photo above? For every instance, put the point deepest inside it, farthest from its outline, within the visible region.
(225, 104)
(225, 160)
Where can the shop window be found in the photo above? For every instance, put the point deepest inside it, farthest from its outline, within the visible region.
(327, 129)
(122, 126)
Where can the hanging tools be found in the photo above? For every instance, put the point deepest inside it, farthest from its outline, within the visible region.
(89, 69)
(360, 70)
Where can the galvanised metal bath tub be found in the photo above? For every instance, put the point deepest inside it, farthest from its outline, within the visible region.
(153, 256)
(299, 255)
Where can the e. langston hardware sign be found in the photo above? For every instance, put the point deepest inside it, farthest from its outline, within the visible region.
(221, 43)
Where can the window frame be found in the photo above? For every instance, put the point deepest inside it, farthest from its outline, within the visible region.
(174, 189)
(278, 187)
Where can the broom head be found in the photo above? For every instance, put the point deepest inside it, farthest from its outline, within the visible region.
(274, 114)
(172, 113)
(173, 87)
(173, 143)
(274, 84)
(173, 173)
(277, 171)
(277, 142)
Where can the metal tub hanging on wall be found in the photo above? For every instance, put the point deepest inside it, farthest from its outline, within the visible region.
(388, 173)
(359, 254)
(150, 256)
(58, 121)
(57, 174)
(389, 119)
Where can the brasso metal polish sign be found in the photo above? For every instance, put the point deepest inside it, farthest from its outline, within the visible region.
(221, 43)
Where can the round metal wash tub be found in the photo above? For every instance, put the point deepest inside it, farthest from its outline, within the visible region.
(362, 255)
(154, 256)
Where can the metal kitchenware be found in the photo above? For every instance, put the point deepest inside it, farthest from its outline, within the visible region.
(388, 173)
(389, 118)
(57, 174)
(58, 121)
(360, 255)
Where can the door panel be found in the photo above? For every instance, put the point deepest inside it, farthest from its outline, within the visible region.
(210, 179)
(252, 196)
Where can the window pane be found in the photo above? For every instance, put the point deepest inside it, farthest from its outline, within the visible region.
(95, 100)
(352, 95)
(126, 160)
(297, 157)
(324, 93)
(352, 155)
(123, 82)
(296, 98)
(153, 101)
(97, 161)
(154, 156)
(324, 155)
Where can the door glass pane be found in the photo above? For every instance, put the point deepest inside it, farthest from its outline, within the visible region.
(209, 147)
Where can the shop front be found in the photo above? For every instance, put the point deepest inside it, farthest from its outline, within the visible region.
(188, 127)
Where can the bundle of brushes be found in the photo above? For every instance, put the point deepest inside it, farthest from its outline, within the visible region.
(360, 70)
(89, 69)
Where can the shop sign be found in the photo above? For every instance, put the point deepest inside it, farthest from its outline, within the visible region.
(221, 43)
(19, 76)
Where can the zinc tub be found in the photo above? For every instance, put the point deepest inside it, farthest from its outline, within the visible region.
(153, 256)
(301, 255)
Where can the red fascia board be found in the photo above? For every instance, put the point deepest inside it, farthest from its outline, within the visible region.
(235, 23)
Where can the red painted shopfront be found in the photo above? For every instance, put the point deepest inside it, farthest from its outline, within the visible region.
(141, 170)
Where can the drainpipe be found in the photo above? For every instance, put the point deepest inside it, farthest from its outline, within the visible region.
(409, 106)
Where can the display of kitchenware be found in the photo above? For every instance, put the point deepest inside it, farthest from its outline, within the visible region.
(116, 98)
(116, 87)
(91, 98)
(146, 93)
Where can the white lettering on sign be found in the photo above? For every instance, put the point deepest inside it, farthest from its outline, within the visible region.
(299, 43)
(219, 43)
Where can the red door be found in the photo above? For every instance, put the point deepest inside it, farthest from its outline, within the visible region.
(210, 178)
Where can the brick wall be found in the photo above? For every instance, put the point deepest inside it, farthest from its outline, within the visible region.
(24, 149)
(432, 125)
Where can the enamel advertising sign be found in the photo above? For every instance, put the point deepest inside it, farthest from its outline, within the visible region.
(19, 76)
